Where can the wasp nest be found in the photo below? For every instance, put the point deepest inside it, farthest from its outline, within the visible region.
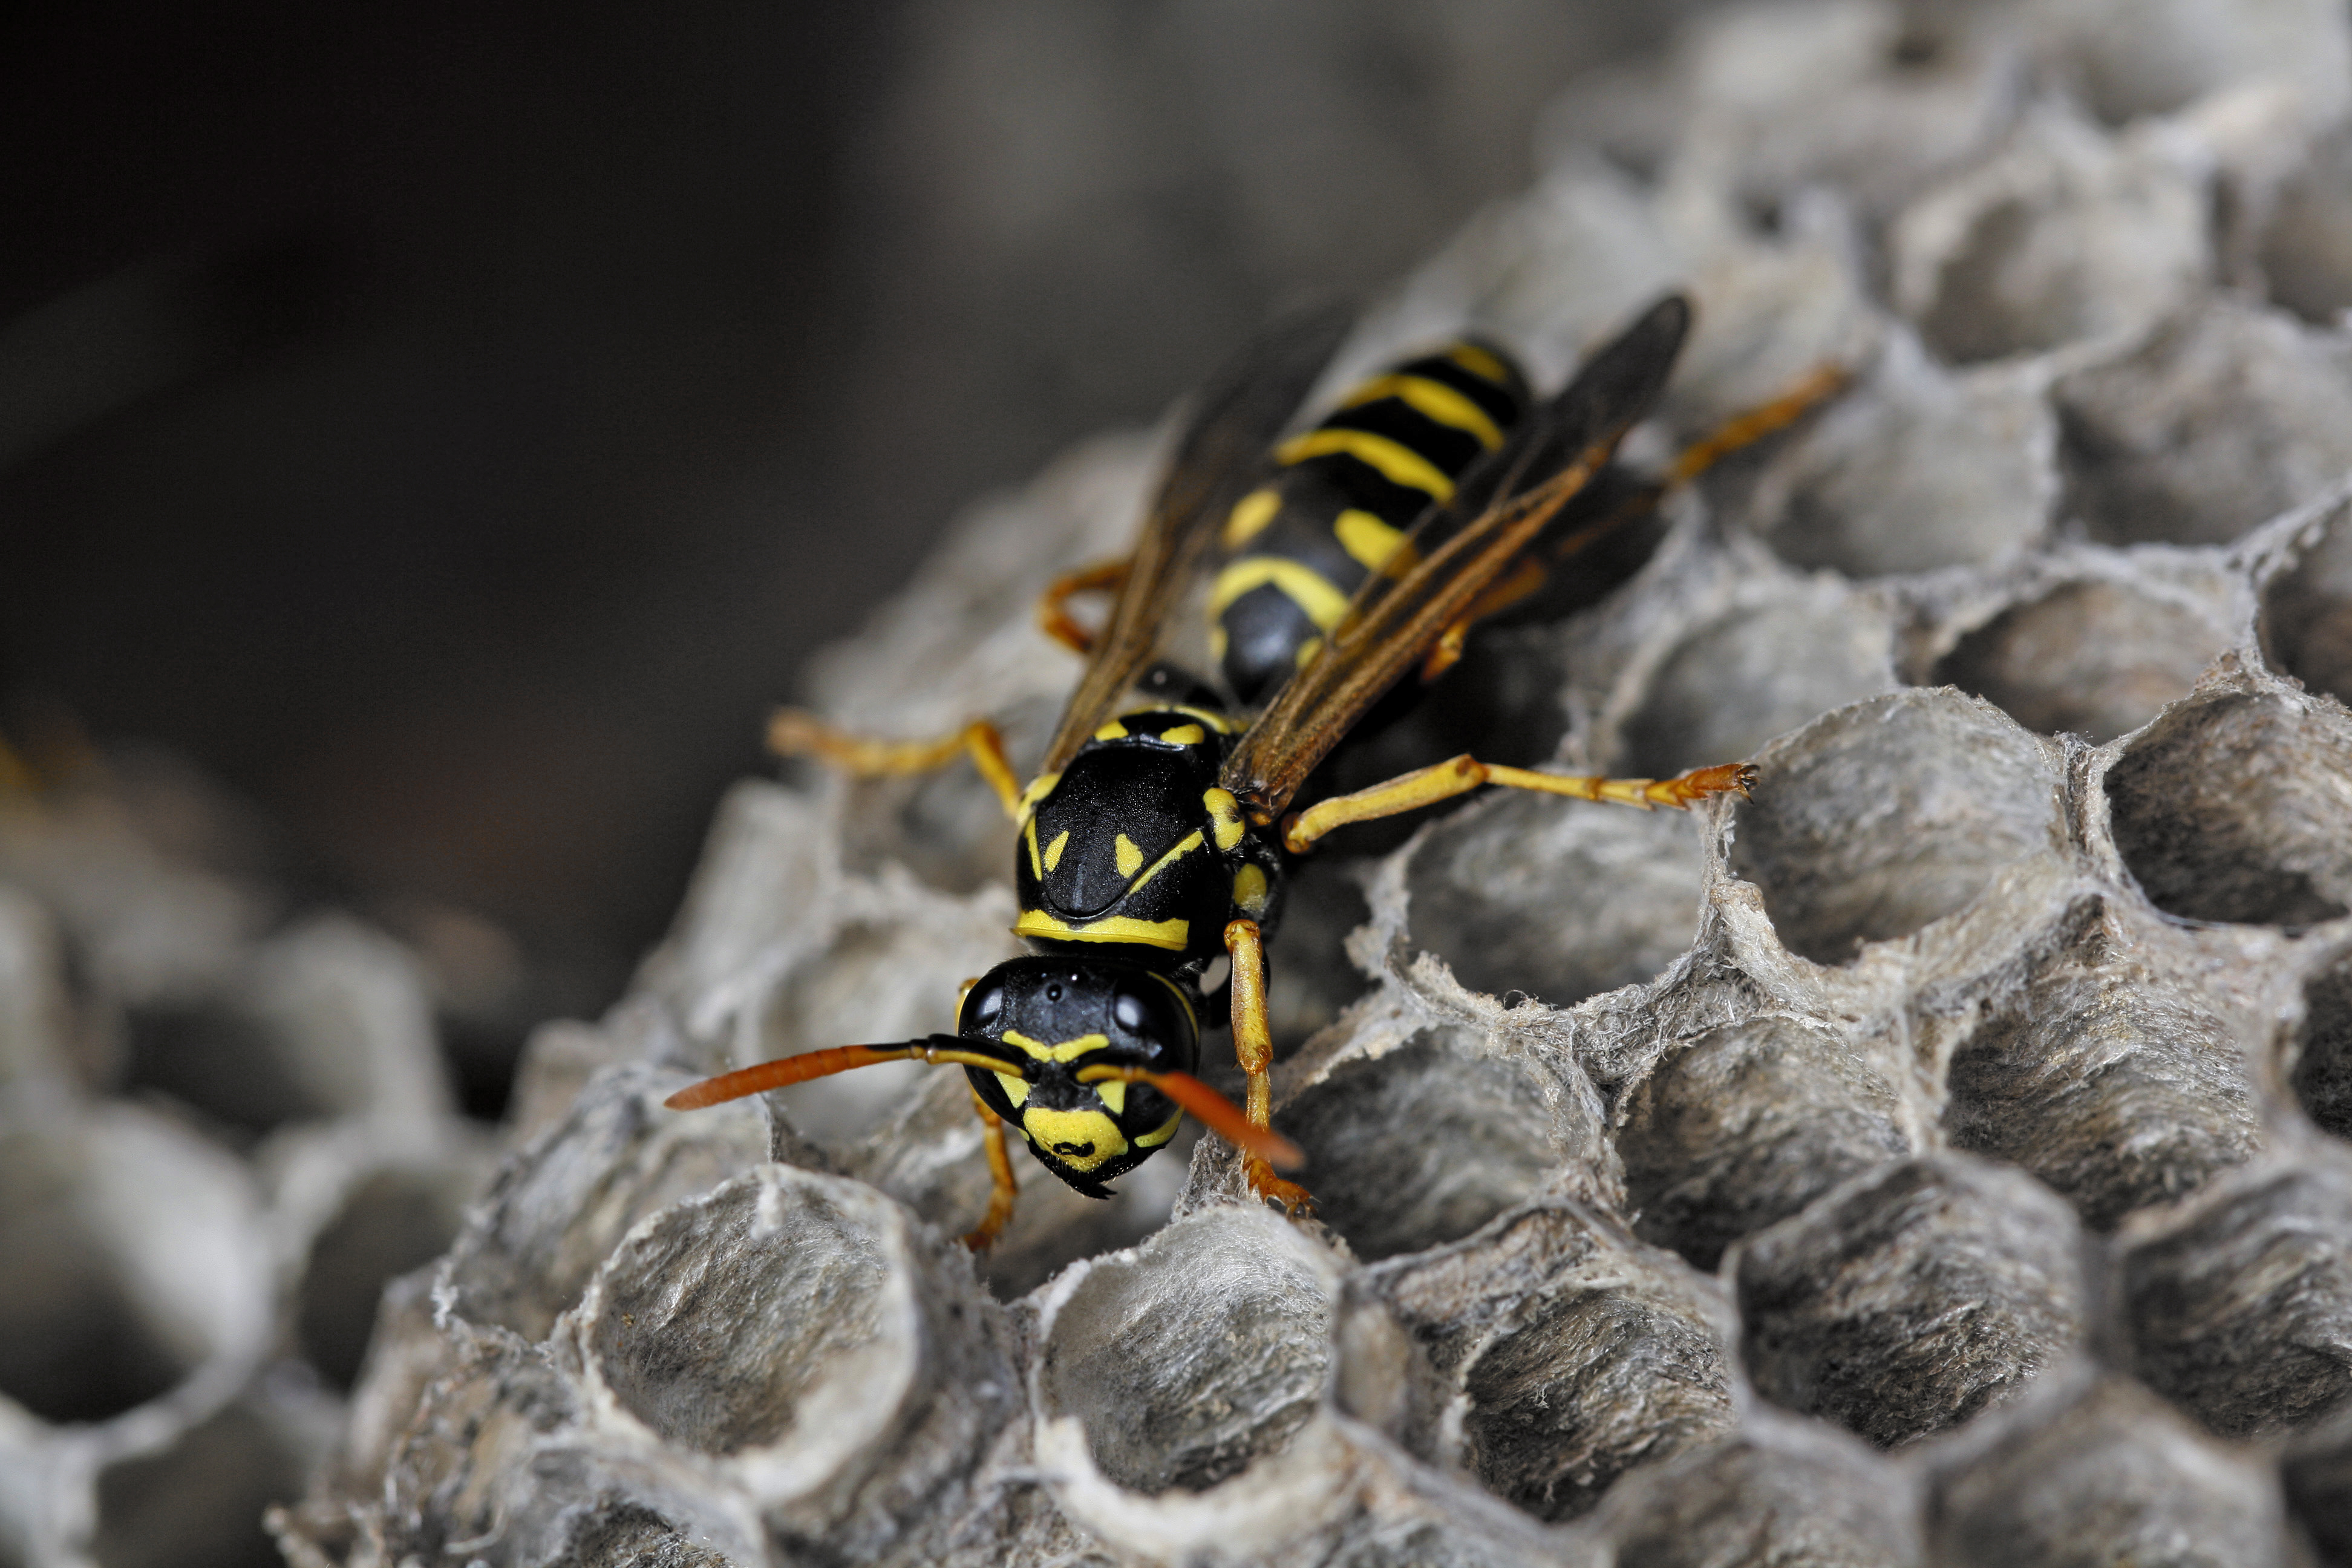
(1938, 1158)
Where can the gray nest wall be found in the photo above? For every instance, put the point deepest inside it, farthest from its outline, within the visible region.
(1937, 1159)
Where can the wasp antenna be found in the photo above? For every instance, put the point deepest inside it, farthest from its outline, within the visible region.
(943, 1049)
(1212, 1110)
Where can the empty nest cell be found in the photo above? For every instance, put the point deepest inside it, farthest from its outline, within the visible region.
(2111, 1082)
(2231, 414)
(1768, 1496)
(2306, 247)
(1483, 1139)
(1907, 1301)
(2239, 1312)
(1559, 899)
(199, 1498)
(1747, 1124)
(1572, 1353)
(391, 1221)
(1194, 1357)
(2109, 1476)
(2234, 809)
(1759, 671)
(2091, 659)
(1881, 818)
(2307, 612)
(134, 1258)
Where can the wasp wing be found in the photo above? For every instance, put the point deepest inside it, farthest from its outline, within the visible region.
(1223, 447)
(1497, 513)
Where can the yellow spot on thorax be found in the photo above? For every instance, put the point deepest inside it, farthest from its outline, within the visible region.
(1185, 735)
(1129, 858)
(1053, 851)
(1114, 730)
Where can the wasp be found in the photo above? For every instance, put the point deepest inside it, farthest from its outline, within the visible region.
(1349, 560)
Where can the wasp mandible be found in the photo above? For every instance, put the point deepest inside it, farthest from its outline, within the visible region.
(1154, 836)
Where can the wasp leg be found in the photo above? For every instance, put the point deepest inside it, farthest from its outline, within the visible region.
(1443, 781)
(1254, 1044)
(1002, 1189)
(1054, 618)
(794, 733)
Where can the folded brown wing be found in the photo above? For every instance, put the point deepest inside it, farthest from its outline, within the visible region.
(1500, 510)
(1223, 447)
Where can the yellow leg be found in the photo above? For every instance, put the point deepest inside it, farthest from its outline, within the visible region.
(1253, 1045)
(1002, 1189)
(794, 733)
(1443, 781)
(1054, 618)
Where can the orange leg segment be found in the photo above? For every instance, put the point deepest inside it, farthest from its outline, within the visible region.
(795, 732)
(1054, 618)
(1004, 1190)
(1253, 1045)
(1443, 781)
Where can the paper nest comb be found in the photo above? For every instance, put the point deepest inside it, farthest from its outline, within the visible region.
(1938, 1159)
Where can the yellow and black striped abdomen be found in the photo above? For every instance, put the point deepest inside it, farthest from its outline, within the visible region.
(1337, 507)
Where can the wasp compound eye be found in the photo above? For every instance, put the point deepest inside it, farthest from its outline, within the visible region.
(1130, 1011)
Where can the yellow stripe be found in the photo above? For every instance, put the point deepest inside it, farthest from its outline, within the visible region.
(1173, 935)
(1397, 462)
(1029, 836)
(1249, 517)
(1434, 399)
(1184, 847)
(1052, 850)
(1373, 544)
(1158, 1135)
(1039, 788)
(1067, 1051)
(1113, 1094)
(1480, 364)
(1302, 585)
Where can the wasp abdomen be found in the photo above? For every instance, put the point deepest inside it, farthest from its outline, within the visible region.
(1345, 493)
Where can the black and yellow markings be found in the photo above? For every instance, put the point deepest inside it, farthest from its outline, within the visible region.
(1297, 547)
(1083, 1138)
(1224, 817)
(1252, 891)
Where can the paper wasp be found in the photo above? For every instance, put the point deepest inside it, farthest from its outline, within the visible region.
(1156, 833)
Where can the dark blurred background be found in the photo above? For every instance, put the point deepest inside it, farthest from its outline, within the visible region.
(452, 426)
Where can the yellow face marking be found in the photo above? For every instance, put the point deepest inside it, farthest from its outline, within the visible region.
(1081, 1139)
(1114, 730)
(1173, 935)
(1016, 1089)
(1067, 1051)
(1052, 850)
(1224, 817)
(1397, 463)
(1480, 364)
(1129, 858)
(1302, 585)
(1249, 517)
(1160, 1134)
(1372, 544)
(1434, 400)
(1250, 891)
(1113, 1094)
(1185, 735)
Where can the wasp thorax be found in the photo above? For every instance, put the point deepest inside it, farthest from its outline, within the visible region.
(1061, 1016)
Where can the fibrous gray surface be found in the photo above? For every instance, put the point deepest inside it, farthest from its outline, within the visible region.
(1936, 1158)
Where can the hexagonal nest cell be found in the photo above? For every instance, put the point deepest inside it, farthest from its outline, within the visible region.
(1939, 1157)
